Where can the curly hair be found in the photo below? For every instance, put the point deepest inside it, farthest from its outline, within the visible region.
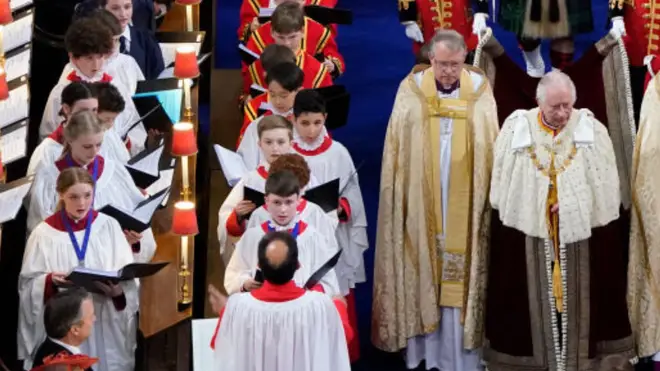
(294, 163)
(87, 37)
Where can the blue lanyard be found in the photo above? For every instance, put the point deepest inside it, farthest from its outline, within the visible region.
(294, 232)
(80, 252)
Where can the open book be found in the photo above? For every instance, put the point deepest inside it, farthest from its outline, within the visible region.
(315, 278)
(87, 277)
(168, 92)
(138, 219)
(231, 163)
(11, 197)
(144, 168)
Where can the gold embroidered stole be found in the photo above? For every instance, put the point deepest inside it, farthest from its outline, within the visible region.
(451, 253)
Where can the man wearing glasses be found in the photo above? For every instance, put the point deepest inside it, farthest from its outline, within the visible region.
(433, 212)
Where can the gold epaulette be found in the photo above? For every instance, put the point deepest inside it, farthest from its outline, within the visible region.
(405, 4)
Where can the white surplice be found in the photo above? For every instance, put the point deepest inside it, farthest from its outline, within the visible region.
(51, 117)
(123, 68)
(48, 151)
(114, 186)
(313, 251)
(443, 348)
(335, 162)
(304, 334)
(49, 250)
(249, 146)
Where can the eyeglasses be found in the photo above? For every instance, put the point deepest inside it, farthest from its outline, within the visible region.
(448, 65)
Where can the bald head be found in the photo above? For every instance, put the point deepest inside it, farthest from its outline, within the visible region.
(278, 257)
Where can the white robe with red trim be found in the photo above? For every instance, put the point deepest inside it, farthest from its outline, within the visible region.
(249, 146)
(49, 150)
(332, 163)
(304, 334)
(51, 117)
(49, 250)
(313, 251)
(114, 186)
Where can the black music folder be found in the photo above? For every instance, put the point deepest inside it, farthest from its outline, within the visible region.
(154, 86)
(326, 196)
(144, 167)
(247, 56)
(337, 103)
(315, 278)
(327, 16)
(257, 198)
(87, 277)
(259, 276)
(139, 219)
(153, 115)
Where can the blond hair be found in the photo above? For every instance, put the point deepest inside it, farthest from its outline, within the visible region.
(274, 122)
(615, 362)
(81, 123)
(68, 178)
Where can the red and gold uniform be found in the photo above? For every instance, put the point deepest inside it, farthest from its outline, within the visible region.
(250, 10)
(642, 20)
(317, 41)
(432, 15)
(316, 73)
(253, 110)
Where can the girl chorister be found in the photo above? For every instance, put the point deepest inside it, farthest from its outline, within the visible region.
(113, 184)
(75, 235)
(76, 97)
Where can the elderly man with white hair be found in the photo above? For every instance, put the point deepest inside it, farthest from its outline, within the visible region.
(556, 295)
(433, 212)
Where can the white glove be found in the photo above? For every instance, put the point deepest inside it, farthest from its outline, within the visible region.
(618, 27)
(479, 25)
(647, 62)
(413, 32)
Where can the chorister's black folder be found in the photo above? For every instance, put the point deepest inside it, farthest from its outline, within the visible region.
(247, 56)
(337, 102)
(255, 91)
(259, 276)
(315, 278)
(257, 198)
(152, 113)
(140, 218)
(327, 16)
(87, 278)
(153, 86)
(143, 177)
(326, 196)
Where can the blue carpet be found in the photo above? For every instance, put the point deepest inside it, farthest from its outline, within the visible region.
(378, 56)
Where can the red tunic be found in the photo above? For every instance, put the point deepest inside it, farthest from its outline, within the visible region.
(316, 73)
(317, 39)
(287, 292)
(433, 15)
(250, 10)
(642, 22)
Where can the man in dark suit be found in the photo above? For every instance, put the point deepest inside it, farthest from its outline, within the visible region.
(68, 318)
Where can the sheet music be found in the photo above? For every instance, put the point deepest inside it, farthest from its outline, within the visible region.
(163, 182)
(266, 12)
(12, 200)
(232, 164)
(202, 333)
(17, 33)
(13, 145)
(145, 211)
(149, 164)
(169, 50)
(17, 4)
(16, 107)
(18, 65)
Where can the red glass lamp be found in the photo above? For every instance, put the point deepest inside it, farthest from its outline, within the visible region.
(5, 13)
(184, 220)
(185, 63)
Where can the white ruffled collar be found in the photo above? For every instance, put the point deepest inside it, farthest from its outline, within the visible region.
(313, 146)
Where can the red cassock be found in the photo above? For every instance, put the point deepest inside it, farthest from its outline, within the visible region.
(433, 15)
(316, 73)
(250, 10)
(317, 41)
(642, 21)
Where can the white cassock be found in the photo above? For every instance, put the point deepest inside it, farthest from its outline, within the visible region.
(329, 160)
(304, 334)
(51, 118)
(49, 250)
(255, 179)
(123, 68)
(313, 251)
(49, 150)
(443, 348)
(114, 186)
(249, 146)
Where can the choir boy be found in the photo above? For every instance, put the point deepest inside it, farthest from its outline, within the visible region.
(282, 200)
(136, 42)
(75, 235)
(284, 81)
(280, 326)
(89, 42)
(83, 137)
(249, 14)
(290, 27)
(330, 160)
(315, 74)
